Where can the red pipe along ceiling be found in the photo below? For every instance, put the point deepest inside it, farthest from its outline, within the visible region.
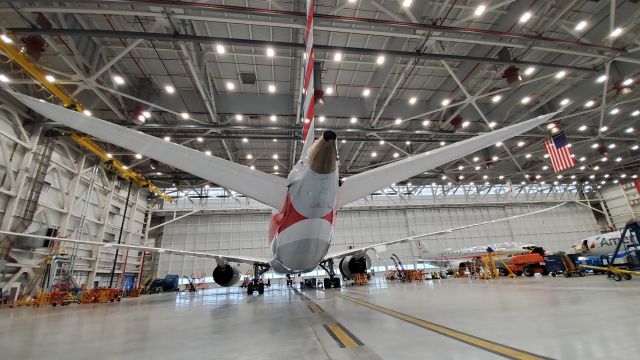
(243, 9)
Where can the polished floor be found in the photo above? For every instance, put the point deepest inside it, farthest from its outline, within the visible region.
(523, 318)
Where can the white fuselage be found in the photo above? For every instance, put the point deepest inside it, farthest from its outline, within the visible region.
(603, 244)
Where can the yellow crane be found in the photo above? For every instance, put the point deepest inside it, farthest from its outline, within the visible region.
(22, 59)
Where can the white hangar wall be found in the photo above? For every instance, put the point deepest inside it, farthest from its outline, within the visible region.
(246, 233)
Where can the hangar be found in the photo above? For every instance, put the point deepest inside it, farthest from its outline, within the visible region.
(318, 179)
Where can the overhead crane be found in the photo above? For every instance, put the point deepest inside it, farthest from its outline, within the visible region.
(21, 58)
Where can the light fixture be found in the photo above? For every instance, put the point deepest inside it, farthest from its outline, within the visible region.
(495, 158)
(353, 120)
(328, 91)
(374, 154)
(530, 70)
(443, 143)
(564, 102)
(380, 60)
(629, 130)
(426, 123)
(480, 10)
(614, 111)
(476, 159)
(634, 147)
(618, 159)
(398, 121)
(252, 167)
(273, 118)
(271, 52)
(407, 3)
(239, 117)
(627, 82)
(499, 143)
(86, 112)
(169, 89)
(496, 98)
(110, 156)
(4, 78)
(245, 140)
(612, 146)
(485, 177)
(492, 124)
(220, 49)
(616, 32)
(604, 128)
(407, 142)
(477, 168)
(138, 156)
(366, 92)
(125, 167)
(207, 152)
(395, 155)
(272, 88)
(601, 78)
(582, 159)
(276, 167)
(521, 143)
(589, 103)
(581, 25)
(200, 139)
(595, 145)
(337, 56)
(525, 100)
(525, 17)
(184, 115)
(50, 78)
(560, 74)
(167, 138)
(635, 113)
(119, 80)
(413, 100)
(146, 114)
(527, 156)
(141, 119)
(158, 173)
(249, 156)
(275, 156)
(445, 102)
(6, 39)
(381, 142)
(344, 141)
(230, 85)
(466, 124)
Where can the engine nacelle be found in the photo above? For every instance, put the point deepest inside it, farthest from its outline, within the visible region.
(225, 275)
(351, 265)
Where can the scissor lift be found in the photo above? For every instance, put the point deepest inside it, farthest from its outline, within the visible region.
(632, 267)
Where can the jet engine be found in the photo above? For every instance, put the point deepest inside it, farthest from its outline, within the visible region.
(225, 275)
(351, 265)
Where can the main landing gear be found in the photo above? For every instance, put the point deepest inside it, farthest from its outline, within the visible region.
(332, 281)
(257, 284)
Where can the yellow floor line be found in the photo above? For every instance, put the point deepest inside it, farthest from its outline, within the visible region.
(495, 348)
(344, 338)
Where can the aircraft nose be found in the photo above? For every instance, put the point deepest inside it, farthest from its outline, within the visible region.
(329, 135)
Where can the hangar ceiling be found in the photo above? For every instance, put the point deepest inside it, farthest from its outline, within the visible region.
(400, 77)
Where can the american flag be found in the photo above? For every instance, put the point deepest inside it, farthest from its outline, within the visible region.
(559, 152)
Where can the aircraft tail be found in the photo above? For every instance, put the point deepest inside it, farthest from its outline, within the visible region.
(308, 95)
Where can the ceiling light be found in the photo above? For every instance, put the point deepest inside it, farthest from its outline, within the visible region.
(141, 119)
(616, 32)
(4, 78)
(581, 25)
(530, 70)
(525, 100)
(337, 56)
(252, 167)
(477, 168)
(353, 120)
(582, 159)
(138, 156)
(245, 140)
(275, 156)
(496, 98)
(328, 91)
(635, 113)
(169, 89)
(86, 112)
(426, 123)
(495, 158)
(476, 159)
(445, 102)
(551, 126)
(629, 130)
(604, 128)
(50, 78)
(485, 177)
(407, 142)
(614, 111)
(407, 3)
(560, 176)
(546, 156)
(525, 17)
(381, 142)
(158, 173)
(413, 100)
(466, 124)
(443, 143)
(521, 143)
(395, 155)
(634, 147)
(604, 159)
(618, 159)
(366, 92)
(249, 156)
(207, 152)
(582, 167)
(109, 156)
(527, 156)
(564, 102)
(622, 176)
(480, 10)
(220, 49)
(200, 139)
(146, 114)
(560, 74)
(634, 176)
(595, 146)
(374, 154)
(589, 103)
(612, 146)
(184, 116)
(545, 167)
(601, 78)
(492, 124)
(538, 176)
(344, 141)
(125, 167)
(380, 60)
(273, 118)
(119, 80)
(230, 85)
(573, 176)
(272, 88)
(6, 39)
(627, 82)
(271, 52)
(239, 117)
(276, 167)
(499, 143)
(167, 138)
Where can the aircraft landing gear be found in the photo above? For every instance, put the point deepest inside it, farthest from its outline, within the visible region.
(332, 281)
(289, 280)
(257, 284)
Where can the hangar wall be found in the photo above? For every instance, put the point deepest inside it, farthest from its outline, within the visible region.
(76, 190)
(245, 233)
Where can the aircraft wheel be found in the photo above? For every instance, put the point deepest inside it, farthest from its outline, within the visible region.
(336, 282)
(627, 276)
(250, 289)
(617, 277)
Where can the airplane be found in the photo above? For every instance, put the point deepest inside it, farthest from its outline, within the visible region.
(305, 203)
(604, 245)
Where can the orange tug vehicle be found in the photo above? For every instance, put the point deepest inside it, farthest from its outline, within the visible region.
(528, 264)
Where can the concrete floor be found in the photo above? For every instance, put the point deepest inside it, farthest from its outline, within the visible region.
(575, 318)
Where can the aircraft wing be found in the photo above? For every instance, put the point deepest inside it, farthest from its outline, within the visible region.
(220, 258)
(381, 247)
(266, 188)
(358, 186)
